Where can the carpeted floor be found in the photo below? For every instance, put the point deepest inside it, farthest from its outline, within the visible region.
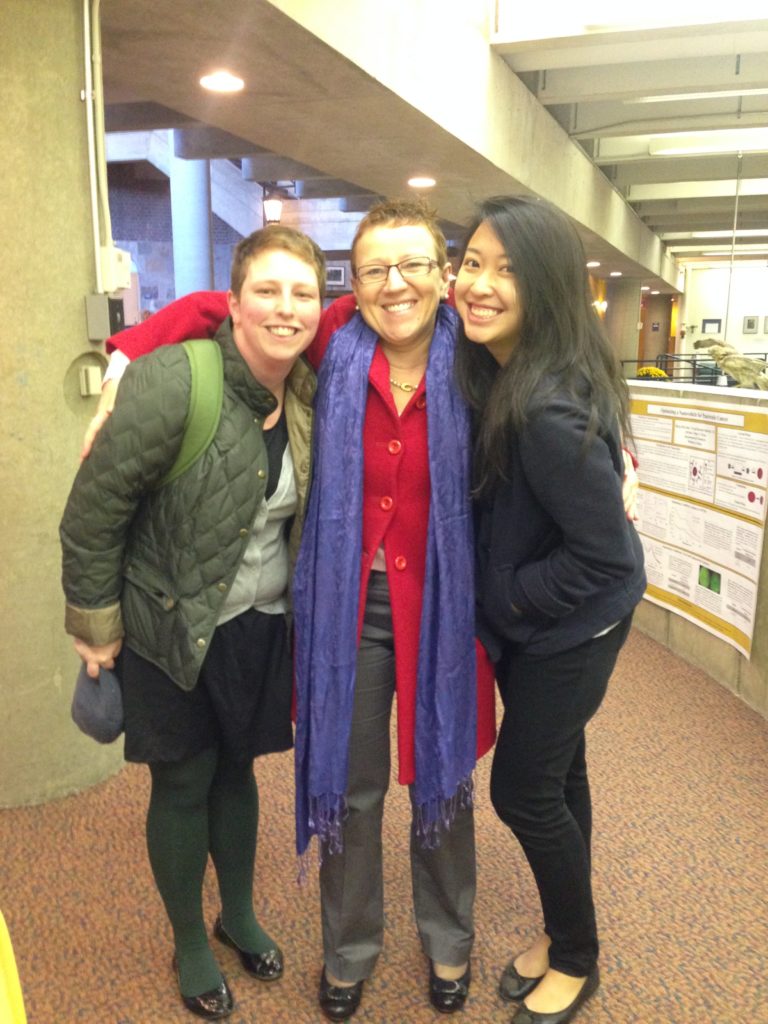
(680, 785)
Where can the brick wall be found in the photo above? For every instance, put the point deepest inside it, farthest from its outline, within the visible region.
(140, 208)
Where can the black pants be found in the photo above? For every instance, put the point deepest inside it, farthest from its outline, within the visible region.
(539, 784)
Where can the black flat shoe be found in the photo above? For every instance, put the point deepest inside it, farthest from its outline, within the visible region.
(513, 986)
(215, 1004)
(526, 1016)
(339, 1002)
(448, 996)
(264, 966)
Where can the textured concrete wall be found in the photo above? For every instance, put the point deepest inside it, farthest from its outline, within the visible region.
(47, 261)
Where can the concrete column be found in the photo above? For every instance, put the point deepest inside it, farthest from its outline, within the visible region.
(191, 217)
(48, 268)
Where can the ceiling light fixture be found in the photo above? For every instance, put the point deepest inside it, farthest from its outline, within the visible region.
(739, 140)
(615, 273)
(593, 263)
(713, 95)
(422, 181)
(666, 236)
(645, 287)
(222, 81)
(739, 252)
(739, 233)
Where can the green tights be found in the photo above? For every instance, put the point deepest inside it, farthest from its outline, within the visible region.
(208, 803)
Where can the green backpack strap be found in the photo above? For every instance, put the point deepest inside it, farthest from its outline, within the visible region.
(204, 409)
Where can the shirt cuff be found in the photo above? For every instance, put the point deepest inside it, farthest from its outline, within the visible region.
(118, 363)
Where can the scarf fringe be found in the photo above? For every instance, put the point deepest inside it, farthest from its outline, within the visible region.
(327, 814)
(438, 815)
(311, 855)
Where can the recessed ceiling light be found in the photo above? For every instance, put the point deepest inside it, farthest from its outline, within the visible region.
(654, 291)
(422, 181)
(615, 273)
(593, 263)
(222, 81)
(645, 287)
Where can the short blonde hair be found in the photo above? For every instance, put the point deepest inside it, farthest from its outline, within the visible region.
(276, 236)
(399, 212)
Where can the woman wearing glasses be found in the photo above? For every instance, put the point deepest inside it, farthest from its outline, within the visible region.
(383, 601)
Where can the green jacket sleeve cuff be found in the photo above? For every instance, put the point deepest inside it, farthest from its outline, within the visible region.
(96, 626)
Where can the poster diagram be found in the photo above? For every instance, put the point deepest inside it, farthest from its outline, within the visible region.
(703, 503)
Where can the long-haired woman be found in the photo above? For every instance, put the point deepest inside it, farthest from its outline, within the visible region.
(560, 566)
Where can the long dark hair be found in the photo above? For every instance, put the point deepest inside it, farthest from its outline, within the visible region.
(561, 343)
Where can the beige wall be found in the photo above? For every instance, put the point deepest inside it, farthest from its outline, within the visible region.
(728, 296)
(47, 269)
(746, 677)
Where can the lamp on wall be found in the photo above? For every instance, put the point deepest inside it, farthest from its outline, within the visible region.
(272, 208)
(273, 197)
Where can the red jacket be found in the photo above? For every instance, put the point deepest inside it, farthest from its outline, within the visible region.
(395, 496)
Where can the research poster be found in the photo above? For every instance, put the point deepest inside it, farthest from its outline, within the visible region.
(702, 506)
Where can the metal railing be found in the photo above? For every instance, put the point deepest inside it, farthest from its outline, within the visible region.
(691, 368)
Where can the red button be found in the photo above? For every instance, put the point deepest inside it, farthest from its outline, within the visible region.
(421, 403)
(394, 447)
(386, 503)
(401, 562)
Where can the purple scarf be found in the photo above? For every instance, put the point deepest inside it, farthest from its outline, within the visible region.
(326, 596)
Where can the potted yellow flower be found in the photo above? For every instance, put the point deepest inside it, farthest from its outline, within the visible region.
(651, 373)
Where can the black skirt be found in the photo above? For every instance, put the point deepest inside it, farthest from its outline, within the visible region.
(242, 700)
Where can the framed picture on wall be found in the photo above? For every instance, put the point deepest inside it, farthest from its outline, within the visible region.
(765, 326)
(335, 276)
(711, 326)
(750, 325)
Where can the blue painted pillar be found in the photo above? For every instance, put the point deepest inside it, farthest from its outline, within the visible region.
(191, 220)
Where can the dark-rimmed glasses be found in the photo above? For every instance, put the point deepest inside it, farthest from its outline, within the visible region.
(377, 273)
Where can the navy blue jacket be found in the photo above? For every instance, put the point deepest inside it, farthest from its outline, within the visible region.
(557, 559)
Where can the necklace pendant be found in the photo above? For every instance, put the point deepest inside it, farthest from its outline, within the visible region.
(403, 387)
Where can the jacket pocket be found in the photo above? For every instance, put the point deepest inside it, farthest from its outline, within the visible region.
(153, 585)
(150, 611)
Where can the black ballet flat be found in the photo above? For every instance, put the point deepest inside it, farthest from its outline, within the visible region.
(215, 1004)
(339, 1002)
(266, 966)
(590, 986)
(448, 996)
(513, 986)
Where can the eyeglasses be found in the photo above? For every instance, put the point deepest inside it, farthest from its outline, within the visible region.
(375, 273)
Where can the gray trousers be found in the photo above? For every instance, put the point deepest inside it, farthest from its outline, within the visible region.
(351, 882)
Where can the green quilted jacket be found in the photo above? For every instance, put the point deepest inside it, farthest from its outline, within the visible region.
(154, 563)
